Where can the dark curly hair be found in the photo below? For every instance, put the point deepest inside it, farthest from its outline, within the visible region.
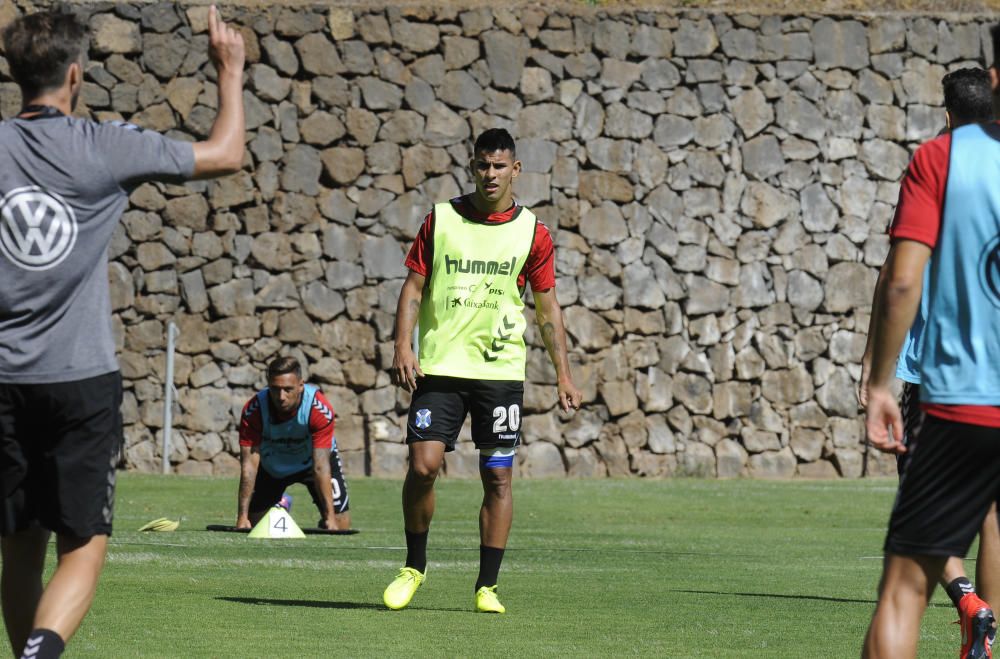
(967, 96)
(494, 139)
(40, 48)
(283, 366)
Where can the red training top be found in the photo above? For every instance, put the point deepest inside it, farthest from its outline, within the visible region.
(321, 422)
(539, 269)
(918, 217)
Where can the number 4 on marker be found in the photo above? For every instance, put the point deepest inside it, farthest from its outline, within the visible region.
(280, 524)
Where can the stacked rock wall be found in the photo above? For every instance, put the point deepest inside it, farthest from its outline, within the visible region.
(718, 187)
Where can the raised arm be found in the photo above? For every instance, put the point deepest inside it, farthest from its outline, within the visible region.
(550, 322)
(222, 152)
(249, 463)
(405, 365)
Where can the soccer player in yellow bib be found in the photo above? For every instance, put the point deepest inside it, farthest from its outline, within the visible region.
(468, 268)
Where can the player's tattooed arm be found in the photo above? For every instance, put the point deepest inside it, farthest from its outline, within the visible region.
(405, 365)
(249, 463)
(321, 476)
(549, 338)
(549, 316)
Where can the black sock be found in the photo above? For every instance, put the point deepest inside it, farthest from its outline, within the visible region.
(416, 551)
(43, 644)
(489, 566)
(958, 588)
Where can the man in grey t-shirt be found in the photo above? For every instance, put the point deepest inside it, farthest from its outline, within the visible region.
(64, 183)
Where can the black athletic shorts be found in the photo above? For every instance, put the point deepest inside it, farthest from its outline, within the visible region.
(952, 478)
(267, 489)
(59, 447)
(913, 419)
(439, 406)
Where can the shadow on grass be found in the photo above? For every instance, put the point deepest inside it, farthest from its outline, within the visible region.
(815, 598)
(324, 604)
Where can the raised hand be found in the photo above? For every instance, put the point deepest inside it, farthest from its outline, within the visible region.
(225, 44)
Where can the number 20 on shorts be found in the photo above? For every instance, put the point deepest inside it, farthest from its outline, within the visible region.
(505, 419)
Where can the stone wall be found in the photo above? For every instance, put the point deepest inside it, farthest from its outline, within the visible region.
(718, 187)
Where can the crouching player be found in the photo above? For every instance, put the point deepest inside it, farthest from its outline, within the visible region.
(286, 437)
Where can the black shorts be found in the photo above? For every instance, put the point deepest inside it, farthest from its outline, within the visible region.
(913, 419)
(59, 447)
(267, 489)
(952, 478)
(440, 403)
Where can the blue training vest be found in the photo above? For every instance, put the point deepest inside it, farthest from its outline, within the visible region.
(286, 448)
(908, 365)
(960, 360)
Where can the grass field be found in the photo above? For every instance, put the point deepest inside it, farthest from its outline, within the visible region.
(679, 568)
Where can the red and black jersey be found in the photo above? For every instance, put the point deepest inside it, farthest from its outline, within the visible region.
(321, 422)
(539, 270)
(919, 214)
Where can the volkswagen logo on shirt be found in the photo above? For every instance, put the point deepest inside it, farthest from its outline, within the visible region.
(989, 270)
(37, 228)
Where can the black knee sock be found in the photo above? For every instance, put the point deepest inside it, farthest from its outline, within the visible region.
(43, 644)
(489, 566)
(958, 588)
(416, 551)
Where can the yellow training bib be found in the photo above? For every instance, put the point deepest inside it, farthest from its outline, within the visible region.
(471, 316)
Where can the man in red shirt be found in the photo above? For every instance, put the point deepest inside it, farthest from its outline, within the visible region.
(468, 268)
(286, 437)
(967, 98)
(949, 215)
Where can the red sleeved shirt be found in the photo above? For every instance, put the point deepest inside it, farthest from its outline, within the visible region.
(539, 270)
(321, 422)
(921, 194)
(918, 217)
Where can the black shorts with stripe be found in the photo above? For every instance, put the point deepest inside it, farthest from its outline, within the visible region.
(950, 481)
(267, 489)
(59, 447)
(440, 404)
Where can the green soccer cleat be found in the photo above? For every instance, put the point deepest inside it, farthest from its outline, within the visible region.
(401, 590)
(487, 601)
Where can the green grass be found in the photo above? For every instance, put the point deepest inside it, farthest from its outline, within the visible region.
(679, 568)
